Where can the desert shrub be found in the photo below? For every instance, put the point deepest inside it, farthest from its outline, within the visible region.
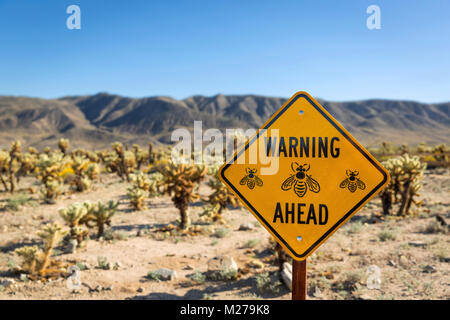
(251, 243)
(349, 281)
(386, 235)
(406, 180)
(197, 277)
(16, 201)
(36, 260)
(181, 181)
(267, 283)
(435, 227)
(221, 232)
(225, 274)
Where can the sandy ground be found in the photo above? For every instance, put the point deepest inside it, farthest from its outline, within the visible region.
(411, 253)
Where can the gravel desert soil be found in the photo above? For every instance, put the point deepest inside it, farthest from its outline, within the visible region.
(410, 256)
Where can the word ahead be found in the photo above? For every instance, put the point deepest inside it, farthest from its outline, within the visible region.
(294, 213)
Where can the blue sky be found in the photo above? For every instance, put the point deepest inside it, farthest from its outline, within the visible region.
(183, 48)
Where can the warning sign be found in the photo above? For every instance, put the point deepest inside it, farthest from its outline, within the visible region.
(303, 175)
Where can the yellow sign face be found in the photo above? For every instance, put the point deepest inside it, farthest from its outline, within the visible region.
(303, 175)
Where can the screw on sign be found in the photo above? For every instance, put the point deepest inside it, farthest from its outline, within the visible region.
(303, 175)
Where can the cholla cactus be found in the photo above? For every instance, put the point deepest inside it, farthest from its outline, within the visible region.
(220, 199)
(137, 193)
(424, 148)
(92, 156)
(14, 165)
(49, 168)
(140, 155)
(120, 161)
(180, 181)
(4, 165)
(28, 163)
(137, 198)
(37, 260)
(441, 153)
(406, 174)
(73, 216)
(63, 145)
(387, 148)
(10, 163)
(99, 214)
(85, 172)
(156, 179)
(138, 180)
(31, 256)
(52, 235)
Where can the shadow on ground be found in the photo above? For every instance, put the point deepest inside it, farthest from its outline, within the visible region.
(245, 287)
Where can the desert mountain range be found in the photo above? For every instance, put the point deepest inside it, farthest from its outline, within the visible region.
(95, 121)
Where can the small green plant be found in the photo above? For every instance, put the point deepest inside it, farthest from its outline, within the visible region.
(349, 281)
(267, 283)
(251, 243)
(221, 232)
(386, 235)
(102, 263)
(153, 275)
(355, 227)
(16, 201)
(223, 275)
(197, 277)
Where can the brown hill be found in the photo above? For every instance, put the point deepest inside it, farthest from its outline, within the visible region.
(98, 120)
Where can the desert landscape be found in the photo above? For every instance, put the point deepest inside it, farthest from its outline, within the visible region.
(127, 223)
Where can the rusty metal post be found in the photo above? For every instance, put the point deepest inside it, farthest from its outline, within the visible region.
(299, 280)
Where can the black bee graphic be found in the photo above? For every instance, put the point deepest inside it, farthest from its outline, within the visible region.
(300, 180)
(352, 182)
(251, 178)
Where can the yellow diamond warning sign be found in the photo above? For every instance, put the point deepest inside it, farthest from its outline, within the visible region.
(303, 175)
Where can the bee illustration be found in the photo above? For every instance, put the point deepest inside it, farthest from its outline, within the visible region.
(352, 182)
(300, 180)
(251, 179)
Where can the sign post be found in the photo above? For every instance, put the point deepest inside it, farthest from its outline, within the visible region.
(299, 280)
(303, 175)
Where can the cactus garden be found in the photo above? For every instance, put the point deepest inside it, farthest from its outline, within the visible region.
(135, 225)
